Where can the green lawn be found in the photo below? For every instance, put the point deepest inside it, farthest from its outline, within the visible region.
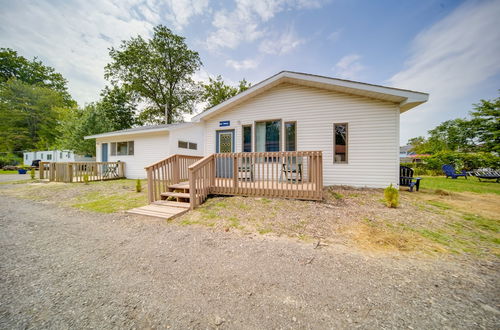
(472, 184)
(8, 172)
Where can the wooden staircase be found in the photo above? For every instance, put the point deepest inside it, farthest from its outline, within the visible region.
(173, 203)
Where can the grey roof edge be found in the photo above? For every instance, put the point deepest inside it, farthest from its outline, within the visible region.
(141, 130)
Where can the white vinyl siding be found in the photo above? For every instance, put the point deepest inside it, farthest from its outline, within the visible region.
(373, 148)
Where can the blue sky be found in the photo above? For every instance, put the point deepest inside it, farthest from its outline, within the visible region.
(450, 49)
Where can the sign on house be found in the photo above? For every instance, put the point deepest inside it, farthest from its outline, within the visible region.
(224, 123)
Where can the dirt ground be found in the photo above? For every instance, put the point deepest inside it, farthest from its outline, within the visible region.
(66, 268)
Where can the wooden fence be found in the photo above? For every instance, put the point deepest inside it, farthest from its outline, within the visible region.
(76, 171)
(166, 172)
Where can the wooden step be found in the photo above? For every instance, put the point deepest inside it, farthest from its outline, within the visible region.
(173, 204)
(159, 211)
(175, 194)
(182, 185)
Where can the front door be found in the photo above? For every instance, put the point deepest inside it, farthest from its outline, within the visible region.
(225, 144)
(104, 152)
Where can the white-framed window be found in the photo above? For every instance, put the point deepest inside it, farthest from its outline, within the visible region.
(125, 148)
(26, 156)
(268, 136)
(60, 155)
(49, 157)
(187, 145)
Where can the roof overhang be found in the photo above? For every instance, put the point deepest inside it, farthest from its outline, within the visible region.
(406, 99)
(140, 130)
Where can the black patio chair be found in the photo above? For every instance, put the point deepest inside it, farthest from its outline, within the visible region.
(406, 178)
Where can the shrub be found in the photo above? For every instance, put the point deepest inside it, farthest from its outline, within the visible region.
(391, 196)
(86, 178)
(32, 173)
(9, 159)
(138, 187)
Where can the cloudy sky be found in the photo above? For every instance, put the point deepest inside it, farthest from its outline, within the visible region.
(450, 49)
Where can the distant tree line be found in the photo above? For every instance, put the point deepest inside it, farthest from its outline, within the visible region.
(150, 82)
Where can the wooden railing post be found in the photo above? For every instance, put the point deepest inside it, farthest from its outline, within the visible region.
(176, 170)
(192, 189)
(235, 171)
(41, 170)
(150, 185)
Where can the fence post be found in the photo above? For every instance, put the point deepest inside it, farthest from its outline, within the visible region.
(175, 173)
(70, 172)
(150, 185)
(41, 168)
(235, 171)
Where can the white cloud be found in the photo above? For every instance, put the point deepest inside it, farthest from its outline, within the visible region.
(335, 35)
(285, 43)
(349, 67)
(181, 11)
(245, 22)
(74, 37)
(242, 65)
(452, 60)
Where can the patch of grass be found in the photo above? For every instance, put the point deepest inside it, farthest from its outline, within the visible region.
(7, 172)
(264, 231)
(472, 184)
(337, 195)
(483, 223)
(436, 236)
(439, 204)
(98, 202)
(265, 200)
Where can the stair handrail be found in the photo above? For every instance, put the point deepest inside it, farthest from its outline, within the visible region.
(201, 179)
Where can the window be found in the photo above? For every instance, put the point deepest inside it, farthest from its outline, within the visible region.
(60, 154)
(187, 145)
(122, 148)
(340, 143)
(290, 136)
(49, 157)
(247, 138)
(26, 156)
(267, 135)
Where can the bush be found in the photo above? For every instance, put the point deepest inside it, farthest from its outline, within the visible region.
(86, 178)
(138, 187)
(391, 196)
(9, 160)
(32, 173)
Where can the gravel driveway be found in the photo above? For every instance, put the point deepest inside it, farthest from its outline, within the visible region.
(15, 177)
(63, 268)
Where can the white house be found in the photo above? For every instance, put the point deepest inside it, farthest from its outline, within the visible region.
(354, 124)
(55, 156)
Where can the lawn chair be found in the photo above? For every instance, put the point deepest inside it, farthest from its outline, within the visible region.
(111, 171)
(450, 172)
(406, 178)
(291, 168)
(487, 175)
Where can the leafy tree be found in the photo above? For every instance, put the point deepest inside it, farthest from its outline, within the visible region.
(217, 91)
(82, 122)
(118, 107)
(480, 133)
(486, 120)
(29, 116)
(32, 72)
(159, 73)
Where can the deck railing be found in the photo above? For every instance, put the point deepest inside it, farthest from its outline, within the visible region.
(77, 171)
(295, 174)
(171, 170)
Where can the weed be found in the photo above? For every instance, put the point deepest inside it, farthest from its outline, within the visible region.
(32, 174)
(86, 178)
(337, 195)
(138, 187)
(264, 231)
(391, 196)
(439, 204)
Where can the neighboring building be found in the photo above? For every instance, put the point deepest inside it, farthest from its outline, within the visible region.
(55, 156)
(407, 156)
(355, 125)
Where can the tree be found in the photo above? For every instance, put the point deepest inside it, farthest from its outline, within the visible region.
(486, 119)
(118, 107)
(29, 116)
(217, 91)
(157, 72)
(32, 72)
(82, 122)
(480, 133)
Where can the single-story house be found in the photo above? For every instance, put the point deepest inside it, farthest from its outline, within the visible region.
(57, 156)
(354, 124)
